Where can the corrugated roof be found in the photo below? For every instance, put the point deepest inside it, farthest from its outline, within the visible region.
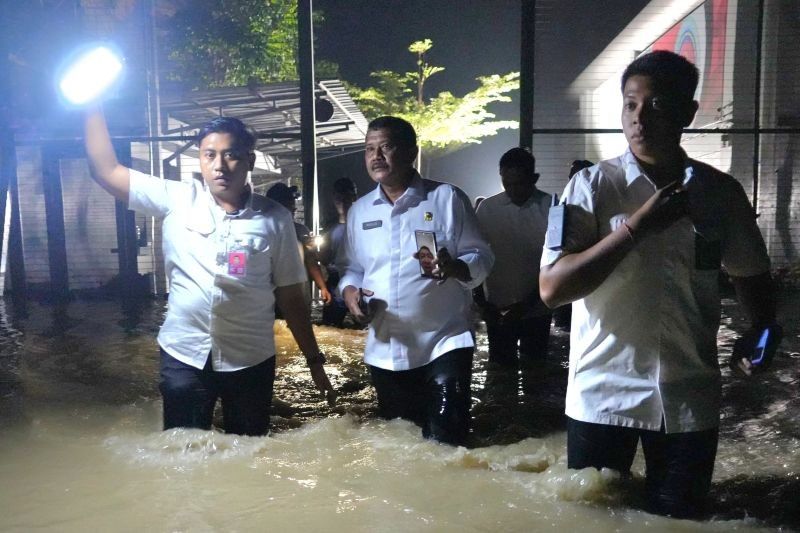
(273, 111)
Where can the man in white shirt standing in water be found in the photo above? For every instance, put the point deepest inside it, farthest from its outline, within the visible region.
(420, 343)
(514, 222)
(645, 237)
(231, 256)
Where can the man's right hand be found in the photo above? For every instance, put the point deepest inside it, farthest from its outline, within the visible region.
(353, 299)
(667, 205)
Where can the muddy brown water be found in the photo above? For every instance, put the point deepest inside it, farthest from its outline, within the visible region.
(80, 446)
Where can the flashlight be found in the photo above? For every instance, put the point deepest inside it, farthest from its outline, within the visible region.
(89, 75)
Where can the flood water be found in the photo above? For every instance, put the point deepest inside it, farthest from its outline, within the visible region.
(80, 446)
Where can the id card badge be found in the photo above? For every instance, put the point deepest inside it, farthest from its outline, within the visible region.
(237, 264)
(237, 261)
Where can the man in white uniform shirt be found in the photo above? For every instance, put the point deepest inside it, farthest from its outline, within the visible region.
(231, 256)
(514, 222)
(420, 345)
(645, 236)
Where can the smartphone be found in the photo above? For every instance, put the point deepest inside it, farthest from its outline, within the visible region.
(426, 252)
(760, 352)
(556, 220)
(766, 346)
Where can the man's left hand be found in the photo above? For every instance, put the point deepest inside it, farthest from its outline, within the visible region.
(447, 267)
(322, 382)
(326, 295)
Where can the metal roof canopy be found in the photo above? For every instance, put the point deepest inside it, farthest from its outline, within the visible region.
(273, 111)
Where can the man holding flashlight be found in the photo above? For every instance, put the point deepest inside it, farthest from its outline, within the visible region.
(231, 256)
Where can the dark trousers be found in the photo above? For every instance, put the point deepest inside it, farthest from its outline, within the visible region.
(333, 314)
(190, 395)
(436, 396)
(678, 466)
(529, 335)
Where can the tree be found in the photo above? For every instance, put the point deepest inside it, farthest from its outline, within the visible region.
(228, 43)
(444, 123)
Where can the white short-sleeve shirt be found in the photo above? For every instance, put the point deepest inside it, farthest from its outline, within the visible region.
(643, 345)
(223, 270)
(416, 319)
(516, 235)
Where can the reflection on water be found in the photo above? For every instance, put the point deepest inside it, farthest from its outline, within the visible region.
(81, 447)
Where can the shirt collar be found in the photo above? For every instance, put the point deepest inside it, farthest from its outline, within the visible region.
(205, 210)
(505, 199)
(633, 171)
(416, 189)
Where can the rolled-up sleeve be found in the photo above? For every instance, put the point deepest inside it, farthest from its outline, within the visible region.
(153, 196)
(287, 267)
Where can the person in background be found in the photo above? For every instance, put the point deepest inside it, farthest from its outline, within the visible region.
(287, 197)
(514, 222)
(420, 344)
(230, 256)
(331, 253)
(645, 236)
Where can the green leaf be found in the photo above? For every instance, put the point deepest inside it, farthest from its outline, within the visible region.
(444, 123)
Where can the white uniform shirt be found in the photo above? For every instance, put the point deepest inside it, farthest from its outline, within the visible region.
(417, 319)
(643, 344)
(211, 311)
(516, 235)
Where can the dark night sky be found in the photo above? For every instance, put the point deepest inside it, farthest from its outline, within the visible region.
(471, 38)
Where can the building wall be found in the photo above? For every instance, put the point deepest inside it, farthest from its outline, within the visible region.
(32, 215)
(724, 35)
(779, 186)
(89, 215)
(89, 227)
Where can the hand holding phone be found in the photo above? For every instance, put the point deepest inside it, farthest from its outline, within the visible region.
(757, 347)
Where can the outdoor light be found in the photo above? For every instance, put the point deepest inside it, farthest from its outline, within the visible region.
(89, 74)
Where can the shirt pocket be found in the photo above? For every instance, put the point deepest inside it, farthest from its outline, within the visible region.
(259, 259)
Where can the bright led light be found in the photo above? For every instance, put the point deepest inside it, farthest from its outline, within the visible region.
(319, 240)
(90, 75)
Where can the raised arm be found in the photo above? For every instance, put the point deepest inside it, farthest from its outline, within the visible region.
(576, 275)
(103, 164)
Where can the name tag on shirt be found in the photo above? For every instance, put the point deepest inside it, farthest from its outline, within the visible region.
(237, 264)
(372, 224)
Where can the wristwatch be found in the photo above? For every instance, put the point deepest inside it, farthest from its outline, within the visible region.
(318, 359)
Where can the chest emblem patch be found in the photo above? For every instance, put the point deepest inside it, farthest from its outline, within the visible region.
(428, 216)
